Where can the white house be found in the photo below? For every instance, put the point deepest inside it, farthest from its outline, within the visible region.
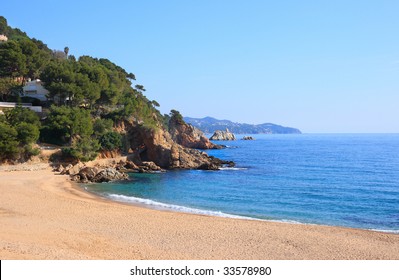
(36, 90)
(3, 38)
(10, 105)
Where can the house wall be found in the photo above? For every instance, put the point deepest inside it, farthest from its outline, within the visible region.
(35, 89)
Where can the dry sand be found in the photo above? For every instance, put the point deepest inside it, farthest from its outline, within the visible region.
(44, 216)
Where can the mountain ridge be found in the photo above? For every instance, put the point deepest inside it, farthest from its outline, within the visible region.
(209, 125)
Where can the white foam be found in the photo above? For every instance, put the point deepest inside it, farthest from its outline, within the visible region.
(396, 231)
(173, 207)
(184, 209)
(233, 168)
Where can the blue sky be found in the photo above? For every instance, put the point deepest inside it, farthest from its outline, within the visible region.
(320, 66)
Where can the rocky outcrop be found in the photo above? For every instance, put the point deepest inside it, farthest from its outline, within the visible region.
(248, 138)
(157, 145)
(223, 135)
(93, 174)
(84, 174)
(150, 150)
(189, 136)
(97, 171)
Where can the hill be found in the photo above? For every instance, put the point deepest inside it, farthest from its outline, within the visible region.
(209, 125)
(92, 110)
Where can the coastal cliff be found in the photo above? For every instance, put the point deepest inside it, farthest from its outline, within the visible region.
(157, 145)
(189, 136)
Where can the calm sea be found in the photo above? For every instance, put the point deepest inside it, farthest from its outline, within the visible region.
(349, 180)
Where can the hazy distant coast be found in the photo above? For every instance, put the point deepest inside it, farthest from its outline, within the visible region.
(210, 125)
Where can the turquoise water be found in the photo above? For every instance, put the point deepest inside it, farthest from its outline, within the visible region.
(347, 180)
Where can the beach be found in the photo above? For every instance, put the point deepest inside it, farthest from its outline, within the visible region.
(45, 216)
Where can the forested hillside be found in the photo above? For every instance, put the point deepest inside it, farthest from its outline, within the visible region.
(87, 97)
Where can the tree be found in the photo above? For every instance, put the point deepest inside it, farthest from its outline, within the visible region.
(139, 88)
(83, 149)
(59, 80)
(27, 133)
(8, 142)
(22, 115)
(102, 126)
(176, 117)
(9, 88)
(155, 103)
(12, 60)
(35, 58)
(70, 123)
(131, 76)
(66, 51)
(22, 126)
(111, 141)
(3, 26)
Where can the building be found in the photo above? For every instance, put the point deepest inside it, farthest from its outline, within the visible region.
(36, 90)
(3, 38)
(11, 105)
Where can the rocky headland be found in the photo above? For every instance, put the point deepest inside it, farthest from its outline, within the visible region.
(149, 150)
(189, 136)
(221, 135)
(157, 145)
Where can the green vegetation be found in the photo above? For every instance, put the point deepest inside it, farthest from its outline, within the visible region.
(19, 131)
(87, 96)
(176, 117)
(111, 141)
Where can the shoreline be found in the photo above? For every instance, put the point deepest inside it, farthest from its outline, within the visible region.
(46, 216)
(174, 208)
(165, 207)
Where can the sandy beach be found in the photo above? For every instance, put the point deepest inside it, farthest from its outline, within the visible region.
(45, 216)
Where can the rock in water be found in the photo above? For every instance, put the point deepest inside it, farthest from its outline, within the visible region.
(223, 135)
(248, 138)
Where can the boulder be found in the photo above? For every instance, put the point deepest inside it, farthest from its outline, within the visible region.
(109, 174)
(221, 135)
(130, 165)
(59, 169)
(75, 169)
(66, 169)
(88, 174)
(150, 167)
(248, 138)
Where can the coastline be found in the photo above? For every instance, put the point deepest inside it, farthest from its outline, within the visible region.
(46, 216)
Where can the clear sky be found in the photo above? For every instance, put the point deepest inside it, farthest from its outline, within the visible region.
(320, 66)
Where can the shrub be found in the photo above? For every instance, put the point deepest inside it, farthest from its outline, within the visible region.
(27, 133)
(20, 115)
(83, 149)
(111, 141)
(102, 126)
(9, 145)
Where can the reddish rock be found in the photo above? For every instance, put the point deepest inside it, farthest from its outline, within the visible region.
(190, 137)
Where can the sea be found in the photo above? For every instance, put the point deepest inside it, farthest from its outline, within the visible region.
(348, 180)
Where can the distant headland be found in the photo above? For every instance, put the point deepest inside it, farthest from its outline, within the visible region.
(209, 125)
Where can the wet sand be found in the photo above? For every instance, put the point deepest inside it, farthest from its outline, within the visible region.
(45, 216)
